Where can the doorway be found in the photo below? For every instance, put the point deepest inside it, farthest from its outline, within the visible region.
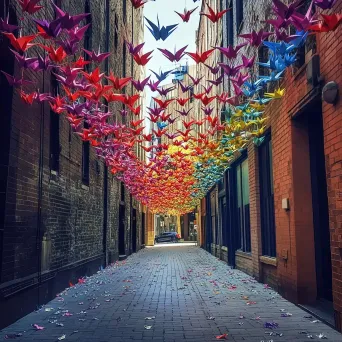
(122, 247)
(320, 203)
(143, 228)
(134, 230)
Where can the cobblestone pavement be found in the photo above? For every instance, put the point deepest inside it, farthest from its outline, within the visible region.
(170, 294)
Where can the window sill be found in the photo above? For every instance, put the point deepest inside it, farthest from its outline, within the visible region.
(85, 187)
(242, 254)
(268, 260)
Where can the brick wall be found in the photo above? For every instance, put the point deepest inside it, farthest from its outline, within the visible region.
(72, 230)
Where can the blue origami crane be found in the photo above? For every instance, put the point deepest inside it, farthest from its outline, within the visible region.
(274, 77)
(252, 88)
(300, 40)
(276, 63)
(160, 32)
(162, 125)
(162, 75)
(280, 48)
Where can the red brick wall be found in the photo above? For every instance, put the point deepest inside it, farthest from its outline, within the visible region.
(330, 49)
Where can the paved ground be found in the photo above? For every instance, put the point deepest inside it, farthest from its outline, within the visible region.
(179, 293)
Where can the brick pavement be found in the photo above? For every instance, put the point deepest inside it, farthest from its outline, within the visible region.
(188, 294)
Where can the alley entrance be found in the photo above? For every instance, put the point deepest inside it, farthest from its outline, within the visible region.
(169, 294)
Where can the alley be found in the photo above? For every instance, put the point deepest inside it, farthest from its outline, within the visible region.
(174, 293)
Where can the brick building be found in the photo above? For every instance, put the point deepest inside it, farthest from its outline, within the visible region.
(276, 214)
(63, 215)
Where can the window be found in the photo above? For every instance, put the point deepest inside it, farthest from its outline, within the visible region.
(239, 15)
(116, 28)
(54, 130)
(88, 35)
(267, 198)
(310, 43)
(230, 23)
(85, 159)
(242, 204)
(124, 9)
(191, 95)
(122, 192)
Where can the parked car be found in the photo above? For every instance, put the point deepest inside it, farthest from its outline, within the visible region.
(168, 237)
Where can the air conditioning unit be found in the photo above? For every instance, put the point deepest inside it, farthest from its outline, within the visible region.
(313, 71)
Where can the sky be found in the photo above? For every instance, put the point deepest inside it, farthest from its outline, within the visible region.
(185, 34)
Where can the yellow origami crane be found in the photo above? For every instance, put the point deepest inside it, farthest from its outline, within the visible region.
(279, 93)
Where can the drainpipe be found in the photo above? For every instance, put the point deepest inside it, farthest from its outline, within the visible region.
(105, 170)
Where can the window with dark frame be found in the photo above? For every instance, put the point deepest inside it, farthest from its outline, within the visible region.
(268, 230)
(54, 129)
(116, 29)
(230, 23)
(88, 35)
(85, 159)
(242, 206)
(310, 43)
(124, 9)
(122, 192)
(239, 15)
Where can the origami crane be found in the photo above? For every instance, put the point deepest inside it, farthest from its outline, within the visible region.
(134, 50)
(230, 52)
(30, 6)
(214, 16)
(329, 23)
(162, 75)
(5, 26)
(15, 82)
(230, 70)
(325, 4)
(118, 83)
(51, 29)
(256, 38)
(302, 22)
(247, 62)
(140, 85)
(153, 85)
(213, 69)
(164, 91)
(68, 22)
(278, 93)
(97, 57)
(159, 32)
(21, 44)
(186, 15)
(200, 57)
(143, 59)
(194, 80)
(185, 88)
(139, 3)
(174, 57)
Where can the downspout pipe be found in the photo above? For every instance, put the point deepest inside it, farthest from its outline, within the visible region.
(105, 167)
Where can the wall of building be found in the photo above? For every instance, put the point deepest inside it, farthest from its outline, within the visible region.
(293, 271)
(66, 238)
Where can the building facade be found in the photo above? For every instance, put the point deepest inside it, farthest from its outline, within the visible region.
(63, 214)
(276, 213)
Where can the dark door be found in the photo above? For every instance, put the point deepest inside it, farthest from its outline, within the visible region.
(143, 228)
(267, 198)
(320, 203)
(134, 230)
(122, 248)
